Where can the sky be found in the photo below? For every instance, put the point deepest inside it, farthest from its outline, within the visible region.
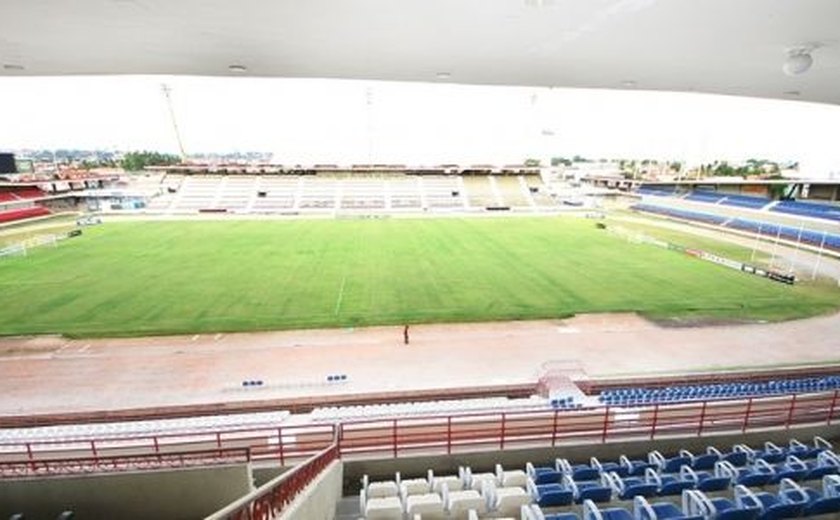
(310, 121)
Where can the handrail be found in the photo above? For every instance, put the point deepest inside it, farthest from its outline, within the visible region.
(450, 434)
(274, 496)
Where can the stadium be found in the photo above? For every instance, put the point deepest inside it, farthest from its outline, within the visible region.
(256, 340)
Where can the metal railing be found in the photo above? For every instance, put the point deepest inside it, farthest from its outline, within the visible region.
(273, 497)
(421, 435)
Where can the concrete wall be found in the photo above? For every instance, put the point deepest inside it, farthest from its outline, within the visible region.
(411, 467)
(162, 495)
(263, 474)
(320, 498)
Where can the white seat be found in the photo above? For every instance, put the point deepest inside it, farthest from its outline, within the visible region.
(383, 489)
(389, 508)
(515, 478)
(429, 506)
(414, 486)
(478, 478)
(459, 503)
(453, 482)
(509, 501)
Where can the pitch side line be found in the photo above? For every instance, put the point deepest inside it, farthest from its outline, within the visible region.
(340, 296)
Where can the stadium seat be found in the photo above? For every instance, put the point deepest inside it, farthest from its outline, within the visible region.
(509, 479)
(790, 502)
(598, 491)
(825, 502)
(591, 512)
(414, 486)
(669, 485)
(505, 500)
(759, 474)
(550, 495)
(457, 504)
(543, 474)
(745, 505)
(381, 489)
(629, 487)
(643, 510)
(384, 508)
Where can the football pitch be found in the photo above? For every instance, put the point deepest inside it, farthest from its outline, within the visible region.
(140, 278)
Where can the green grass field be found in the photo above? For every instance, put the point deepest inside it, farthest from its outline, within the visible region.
(185, 277)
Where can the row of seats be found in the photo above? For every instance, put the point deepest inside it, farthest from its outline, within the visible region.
(726, 199)
(489, 404)
(451, 496)
(795, 234)
(565, 486)
(13, 438)
(12, 215)
(789, 501)
(563, 483)
(808, 209)
(681, 213)
(679, 393)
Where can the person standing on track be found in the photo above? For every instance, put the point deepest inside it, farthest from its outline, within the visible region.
(405, 335)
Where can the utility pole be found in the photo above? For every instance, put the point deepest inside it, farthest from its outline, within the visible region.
(166, 94)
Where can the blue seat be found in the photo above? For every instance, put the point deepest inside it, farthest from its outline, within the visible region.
(552, 495)
(591, 512)
(790, 502)
(669, 485)
(668, 465)
(757, 475)
(642, 510)
(630, 487)
(826, 502)
(745, 505)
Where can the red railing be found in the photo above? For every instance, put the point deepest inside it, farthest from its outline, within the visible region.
(431, 435)
(272, 498)
(117, 463)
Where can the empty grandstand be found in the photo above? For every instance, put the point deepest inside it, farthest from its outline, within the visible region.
(337, 191)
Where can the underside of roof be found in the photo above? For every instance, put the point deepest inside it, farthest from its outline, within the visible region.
(733, 47)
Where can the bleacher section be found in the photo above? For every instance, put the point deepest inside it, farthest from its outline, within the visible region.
(744, 201)
(792, 233)
(768, 482)
(318, 193)
(480, 191)
(734, 390)
(814, 238)
(808, 209)
(681, 213)
(13, 215)
(705, 196)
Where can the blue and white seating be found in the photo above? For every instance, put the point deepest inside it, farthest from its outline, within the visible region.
(594, 490)
(669, 485)
(825, 502)
(759, 473)
(789, 502)
(745, 505)
(504, 500)
(592, 512)
(550, 495)
(629, 487)
(643, 510)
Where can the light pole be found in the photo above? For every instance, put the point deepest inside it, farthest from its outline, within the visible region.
(166, 94)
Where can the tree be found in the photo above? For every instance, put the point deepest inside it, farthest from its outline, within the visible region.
(137, 161)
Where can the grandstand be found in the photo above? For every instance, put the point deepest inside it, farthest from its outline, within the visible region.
(394, 191)
(809, 222)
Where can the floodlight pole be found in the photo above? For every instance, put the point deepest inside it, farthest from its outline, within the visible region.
(166, 89)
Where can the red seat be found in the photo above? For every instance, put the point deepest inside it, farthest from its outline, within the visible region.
(23, 213)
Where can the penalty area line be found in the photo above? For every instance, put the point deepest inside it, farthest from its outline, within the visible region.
(340, 296)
